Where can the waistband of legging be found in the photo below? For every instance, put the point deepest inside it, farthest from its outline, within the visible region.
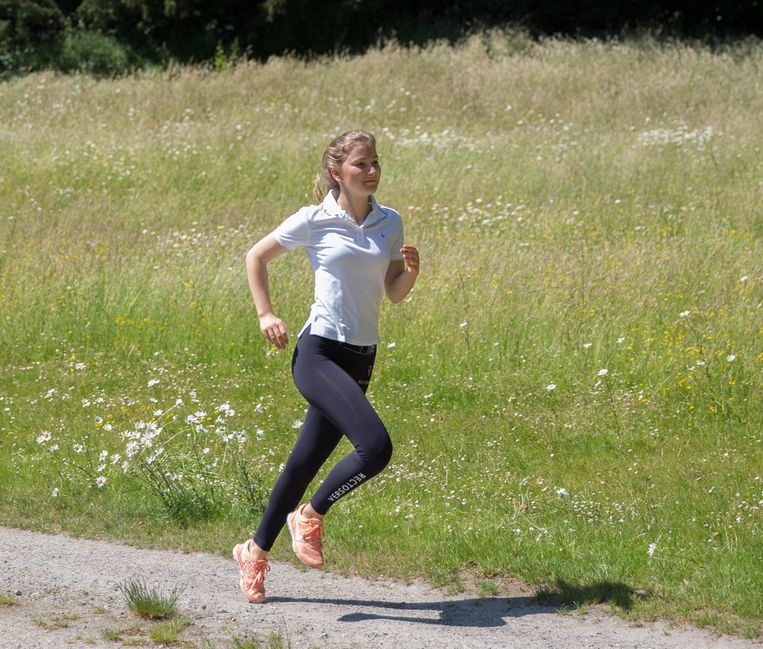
(358, 349)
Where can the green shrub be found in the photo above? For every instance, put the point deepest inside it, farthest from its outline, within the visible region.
(93, 53)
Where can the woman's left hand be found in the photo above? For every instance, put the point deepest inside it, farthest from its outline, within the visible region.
(410, 258)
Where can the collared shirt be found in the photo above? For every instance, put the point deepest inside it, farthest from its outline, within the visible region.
(349, 263)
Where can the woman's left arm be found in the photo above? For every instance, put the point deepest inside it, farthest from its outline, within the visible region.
(402, 274)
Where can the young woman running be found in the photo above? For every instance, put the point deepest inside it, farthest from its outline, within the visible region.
(357, 253)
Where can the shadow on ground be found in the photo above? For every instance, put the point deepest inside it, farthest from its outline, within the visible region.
(567, 595)
(478, 611)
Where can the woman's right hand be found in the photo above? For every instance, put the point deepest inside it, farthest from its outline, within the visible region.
(274, 330)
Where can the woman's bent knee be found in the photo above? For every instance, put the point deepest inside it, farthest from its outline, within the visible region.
(377, 454)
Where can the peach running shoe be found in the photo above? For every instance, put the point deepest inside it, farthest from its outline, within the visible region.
(306, 534)
(252, 572)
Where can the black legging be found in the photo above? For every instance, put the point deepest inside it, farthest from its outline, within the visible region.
(333, 377)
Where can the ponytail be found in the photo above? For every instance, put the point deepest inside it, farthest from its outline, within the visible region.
(317, 191)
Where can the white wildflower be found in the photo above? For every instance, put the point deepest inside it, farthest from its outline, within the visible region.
(650, 550)
(100, 481)
(603, 372)
(730, 357)
(152, 383)
(561, 491)
(551, 386)
(391, 345)
(680, 136)
(226, 409)
(54, 493)
(685, 314)
(45, 437)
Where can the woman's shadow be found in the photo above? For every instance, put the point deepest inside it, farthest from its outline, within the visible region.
(480, 611)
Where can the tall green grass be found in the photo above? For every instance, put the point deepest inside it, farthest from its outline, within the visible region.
(573, 387)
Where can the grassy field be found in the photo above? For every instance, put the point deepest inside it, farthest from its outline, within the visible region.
(573, 388)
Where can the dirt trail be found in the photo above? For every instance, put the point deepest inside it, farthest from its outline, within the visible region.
(69, 596)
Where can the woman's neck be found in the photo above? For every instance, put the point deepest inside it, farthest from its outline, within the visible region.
(358, 207)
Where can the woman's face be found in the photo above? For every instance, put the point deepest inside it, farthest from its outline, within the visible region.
(360, 172)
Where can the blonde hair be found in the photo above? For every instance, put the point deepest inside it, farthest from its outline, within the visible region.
(333, 157)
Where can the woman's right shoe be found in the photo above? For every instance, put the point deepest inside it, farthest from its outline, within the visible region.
(252, 572)
(306, 534)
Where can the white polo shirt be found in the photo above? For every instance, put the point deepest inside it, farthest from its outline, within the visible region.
(349, 262)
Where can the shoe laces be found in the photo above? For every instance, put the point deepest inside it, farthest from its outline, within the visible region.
(312, 529)
(255, 570)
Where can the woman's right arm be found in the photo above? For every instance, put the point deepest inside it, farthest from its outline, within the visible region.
(262, 252)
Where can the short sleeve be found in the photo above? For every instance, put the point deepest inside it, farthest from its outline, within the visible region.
(396, 241)
(294, 231)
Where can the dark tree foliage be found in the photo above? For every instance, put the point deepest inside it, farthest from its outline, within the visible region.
(26, 23)
(182, 29)
(198, 30)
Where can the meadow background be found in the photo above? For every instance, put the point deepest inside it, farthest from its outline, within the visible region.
(573, 387)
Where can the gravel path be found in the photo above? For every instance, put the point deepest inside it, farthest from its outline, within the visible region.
(66, 596)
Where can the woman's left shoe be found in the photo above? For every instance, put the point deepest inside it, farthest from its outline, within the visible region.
(306, 534)
(252, 571)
